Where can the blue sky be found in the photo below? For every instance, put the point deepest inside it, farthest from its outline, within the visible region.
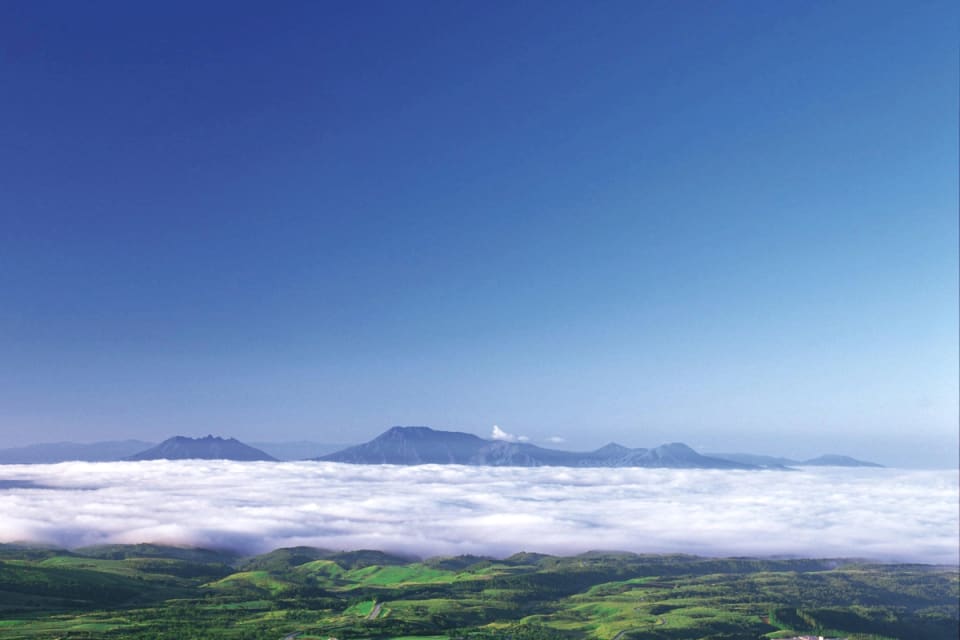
(731, 224)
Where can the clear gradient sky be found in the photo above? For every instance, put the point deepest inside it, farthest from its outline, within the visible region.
(732, 224)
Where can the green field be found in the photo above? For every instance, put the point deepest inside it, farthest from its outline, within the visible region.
(149, 592)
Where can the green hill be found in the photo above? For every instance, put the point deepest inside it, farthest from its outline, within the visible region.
(166, 593)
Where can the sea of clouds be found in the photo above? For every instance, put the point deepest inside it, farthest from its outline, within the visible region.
(881, 514)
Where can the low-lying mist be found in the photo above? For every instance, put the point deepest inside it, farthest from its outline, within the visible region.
(880, 514)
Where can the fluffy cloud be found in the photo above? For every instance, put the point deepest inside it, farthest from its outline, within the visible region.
(883, 514)
(500, 434)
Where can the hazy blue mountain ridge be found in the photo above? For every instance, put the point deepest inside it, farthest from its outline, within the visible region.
(299, 449)
(409, 446)
(834, 460)
(826, 460)
(423, 445)
(208, 448)
(53, 452)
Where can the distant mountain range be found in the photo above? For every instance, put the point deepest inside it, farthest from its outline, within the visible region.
(772, 462)
(298, 450)
(410, 446)
(209, 448)
(423, 445)
(53, 452)
(115, 450)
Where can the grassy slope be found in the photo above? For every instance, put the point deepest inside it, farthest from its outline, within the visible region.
(603, 596)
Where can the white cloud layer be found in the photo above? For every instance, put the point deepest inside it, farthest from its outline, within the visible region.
(882, 514)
